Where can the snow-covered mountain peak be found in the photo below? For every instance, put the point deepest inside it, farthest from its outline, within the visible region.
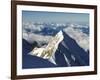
(49, 50)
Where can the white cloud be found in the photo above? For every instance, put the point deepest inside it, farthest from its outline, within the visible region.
(33, 27)
(81, 38)
(31, 37)
(78, 25)
(73, 31)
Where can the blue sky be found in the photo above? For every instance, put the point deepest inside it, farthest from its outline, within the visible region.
(56, 17)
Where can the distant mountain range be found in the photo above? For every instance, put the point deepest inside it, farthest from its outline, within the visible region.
(68, 53)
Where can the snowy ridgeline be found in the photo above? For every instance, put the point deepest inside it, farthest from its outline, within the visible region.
(49, 50)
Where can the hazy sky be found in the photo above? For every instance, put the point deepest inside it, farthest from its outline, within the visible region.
(57, 17)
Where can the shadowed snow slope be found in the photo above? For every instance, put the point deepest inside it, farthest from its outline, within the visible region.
(29, 61)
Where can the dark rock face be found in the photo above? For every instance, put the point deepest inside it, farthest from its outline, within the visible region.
(68, 49)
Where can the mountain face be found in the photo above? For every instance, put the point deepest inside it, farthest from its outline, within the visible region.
(74, 55)
(29, 61)
(48, 50)
(66, 53)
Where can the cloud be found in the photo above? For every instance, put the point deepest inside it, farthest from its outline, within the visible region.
(32, 27)
(31, 37)
(81, 38)
(73, 30)
(78, 25)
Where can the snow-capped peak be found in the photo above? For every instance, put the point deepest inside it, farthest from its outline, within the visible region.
(48, 51)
